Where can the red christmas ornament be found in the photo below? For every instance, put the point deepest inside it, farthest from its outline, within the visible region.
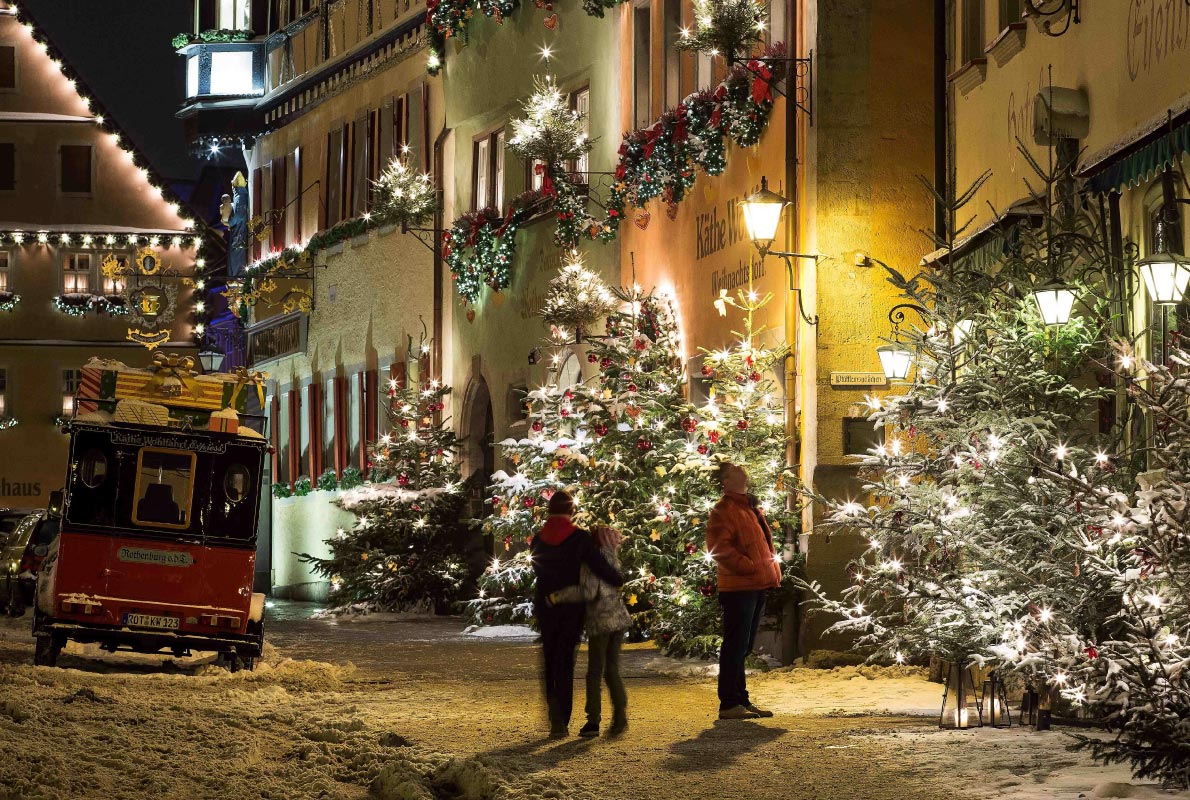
(632, 387)
(714, 437)
(640, 344)
(536, 427)
(754, 377)
(689, 424)
(404, 423)
(707, 589)
(569, 395)
(402, 479)
(530, 502)
(1092, 652)
(592, 358)
(742, 424)
(702, 449)
(601, 430)
(643, 444)
(690, 548)
(564, 412)
(708, 370)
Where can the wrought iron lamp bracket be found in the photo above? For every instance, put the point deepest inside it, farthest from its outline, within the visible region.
(1048, 9)
(801, 70)
(788, 259)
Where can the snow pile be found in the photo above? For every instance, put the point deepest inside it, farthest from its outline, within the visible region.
(1016, 763)
(433, 776)
(681, 667)
(348, 499)
(500, 631)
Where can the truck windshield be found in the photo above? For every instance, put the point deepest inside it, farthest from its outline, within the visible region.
(164, 488)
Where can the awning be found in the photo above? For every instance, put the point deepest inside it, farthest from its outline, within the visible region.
(1136, 159)
(989, 243)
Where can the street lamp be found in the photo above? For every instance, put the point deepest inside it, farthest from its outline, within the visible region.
(895, 360)
(211, 359)
(762, 216)
(1055, 301)
(1166, 276)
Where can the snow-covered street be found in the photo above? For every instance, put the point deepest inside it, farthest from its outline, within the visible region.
(410, 708)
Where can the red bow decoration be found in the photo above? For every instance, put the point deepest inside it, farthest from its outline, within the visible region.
(651, 137)
(547, 183)
(762, 90)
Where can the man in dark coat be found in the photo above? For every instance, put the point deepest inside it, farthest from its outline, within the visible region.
(559, 549)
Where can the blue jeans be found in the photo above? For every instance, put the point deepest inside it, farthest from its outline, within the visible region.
(741, 620)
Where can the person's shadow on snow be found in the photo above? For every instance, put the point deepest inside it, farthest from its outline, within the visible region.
(720, 745)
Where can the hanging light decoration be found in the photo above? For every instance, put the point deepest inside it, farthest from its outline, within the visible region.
(895, 360)
(1166, 276)
(1055, 301)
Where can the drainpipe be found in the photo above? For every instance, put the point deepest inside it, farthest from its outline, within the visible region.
(791, 621)
(439, 178)
(940, 114)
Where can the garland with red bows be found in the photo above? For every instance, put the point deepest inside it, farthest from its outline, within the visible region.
(662, 160)
(480, 245)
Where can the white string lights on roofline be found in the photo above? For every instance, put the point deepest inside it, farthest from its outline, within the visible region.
(99, 240)
(119, 138)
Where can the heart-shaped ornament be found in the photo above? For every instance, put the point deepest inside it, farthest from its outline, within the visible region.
(471, 315)
(642, 219)
(551, 22)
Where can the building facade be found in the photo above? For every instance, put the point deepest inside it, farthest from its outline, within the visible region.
(1098, 87)
(76, 198)
(318, 99)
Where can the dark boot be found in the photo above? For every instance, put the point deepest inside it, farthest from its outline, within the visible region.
(619, 723)
(590, 729)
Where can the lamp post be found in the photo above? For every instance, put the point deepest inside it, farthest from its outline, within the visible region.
(762, 215)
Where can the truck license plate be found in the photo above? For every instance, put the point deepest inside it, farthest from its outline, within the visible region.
(151, 621)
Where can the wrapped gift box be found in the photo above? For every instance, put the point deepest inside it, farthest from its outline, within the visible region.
(105, 381)
(225, 421)
(140, 413)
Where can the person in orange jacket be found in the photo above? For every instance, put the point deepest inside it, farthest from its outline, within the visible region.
(741, 543)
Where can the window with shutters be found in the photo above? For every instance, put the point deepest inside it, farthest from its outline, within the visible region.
(8, 166)
(487, 185)
(280, 181)
(8, 68)
(376, 160)
(267, 204)
(362, 145)
(76, 273)
(75, 168)
(71, 378)
(672, 55)
(580, 101)
(329, 421)
(642, 97)
(293, 196)
(1010, 12)
(282, 422)
(335, 178)
(972, 30)
(5, 260)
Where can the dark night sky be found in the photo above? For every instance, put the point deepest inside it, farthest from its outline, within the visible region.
(122, 50)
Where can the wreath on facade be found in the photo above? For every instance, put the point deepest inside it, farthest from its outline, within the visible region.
(8, 301)
(79, 304)
(479, 247)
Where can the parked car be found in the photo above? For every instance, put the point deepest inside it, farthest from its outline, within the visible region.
(21, 557)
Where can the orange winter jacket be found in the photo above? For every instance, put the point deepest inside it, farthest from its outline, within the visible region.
(739, 539)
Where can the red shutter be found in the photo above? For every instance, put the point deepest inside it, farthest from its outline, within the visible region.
(295, 435)
(257, 206)
(361, 453)
(314, 421)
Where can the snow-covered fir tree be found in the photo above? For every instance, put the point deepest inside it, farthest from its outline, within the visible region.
(406, 549)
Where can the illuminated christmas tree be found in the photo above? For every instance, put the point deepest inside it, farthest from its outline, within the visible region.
(406, 549)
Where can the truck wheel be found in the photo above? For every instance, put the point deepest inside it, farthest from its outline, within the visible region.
(48, 649)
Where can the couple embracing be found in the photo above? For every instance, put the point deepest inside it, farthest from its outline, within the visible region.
(574, 567)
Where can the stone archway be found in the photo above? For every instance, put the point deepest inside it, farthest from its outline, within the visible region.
(478, 450)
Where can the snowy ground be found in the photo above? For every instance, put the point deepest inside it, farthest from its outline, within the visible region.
(413, 709)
